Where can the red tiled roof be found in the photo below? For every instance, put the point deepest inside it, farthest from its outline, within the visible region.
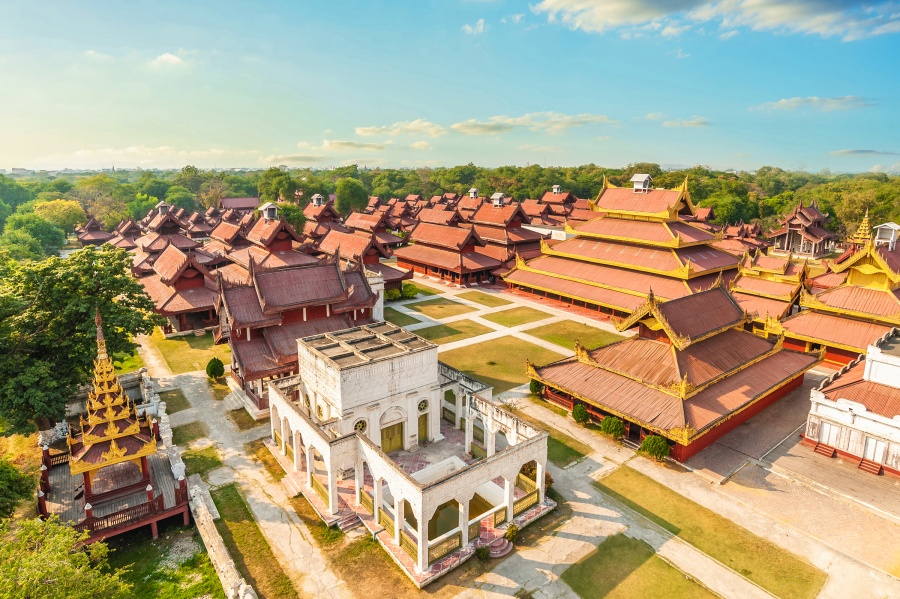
(700, 314)
(169, 300)
(447, 237)
(438, 216)
(352, 246)
(651, 231)
(447, 259)
(877, 302)
(254, 357)
(244, 310)
(626, 199)
(557, 198)
(239, 203)
(489, 214)
(829, 279)
(574, 289)
(154, 242)
(390, 274)
(282, 339)
(756, 285)
(265, 230)
(581, 215)
(835, 330)
(760, 306)
(365, 222)
(511, 236)
(878, 398)
(287, 288)
(268, 260)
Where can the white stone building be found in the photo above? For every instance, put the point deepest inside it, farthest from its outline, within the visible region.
(375, 430)
(856, 412)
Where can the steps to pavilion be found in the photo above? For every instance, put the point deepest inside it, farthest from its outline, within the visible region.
(825, 450)
(348, 521)
(500, 547)
(871, 467)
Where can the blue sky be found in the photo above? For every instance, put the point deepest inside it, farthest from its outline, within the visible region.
(732, 84)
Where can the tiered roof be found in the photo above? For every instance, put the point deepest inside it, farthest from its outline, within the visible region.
(111, 432)
(700, 369)
(767, 286)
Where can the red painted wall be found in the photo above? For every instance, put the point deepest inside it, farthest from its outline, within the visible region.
(839, 356)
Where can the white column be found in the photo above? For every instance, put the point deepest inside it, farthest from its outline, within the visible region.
(295, 442)
(510, 496)
(358, 479)
(540, 481)
(422, 564)
(464, 522)
(398, 518)
(283, 437)
(377, 498)
(457, 394)
(490, 438)
(470, 430)
(332, 491)
(310, 465)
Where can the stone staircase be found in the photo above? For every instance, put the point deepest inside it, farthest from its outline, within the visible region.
(825, 450)
(871, 467)
(500, 547)
(349, 520)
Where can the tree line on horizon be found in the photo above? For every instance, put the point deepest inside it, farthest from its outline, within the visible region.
(37, 212)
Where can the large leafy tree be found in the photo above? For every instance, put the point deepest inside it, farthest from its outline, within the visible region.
(47, 330)
(181, 197)
(351, 195)
(44, 559)
(64, 214)
(189, 177)
(19, 245)
(275, 184)
(293, 214)
(15, 486)
(50, 236)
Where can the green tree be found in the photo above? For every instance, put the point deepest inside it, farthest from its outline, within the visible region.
(45, 559)
(580, 414)
(613, 427)
(108, 210)
(50, 237)
(212, 192)
(151, 185)
(11, 193)
(19, 245)
(275, 184)
(15, 486)
(293, 214)
(215, 369)
(47, 332)
(181, 197)
(65, 214)
(141, 205)
(536, 387)
(351, 196)
(409, 291)
(655, 446)
(189, 177)
(5, 211)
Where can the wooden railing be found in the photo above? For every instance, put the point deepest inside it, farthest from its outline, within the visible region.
(385, 520)
(289, 451)
(277, 437)
(123, 517)
(525, 483)
(320, 489)
(367, 502)
(58, 460)
(408, 544)
(436, 552)
(261, 402)
(478, 434)
(499, 517)
(524, 503)
(449, 415)
(478, 452)
(474, 531)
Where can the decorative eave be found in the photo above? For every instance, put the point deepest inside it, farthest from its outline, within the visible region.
(522, 265)
(869, 250)
(685, 271)
(774, 326)
(809, 300)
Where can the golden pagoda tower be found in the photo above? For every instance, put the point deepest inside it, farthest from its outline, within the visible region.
(112, 433)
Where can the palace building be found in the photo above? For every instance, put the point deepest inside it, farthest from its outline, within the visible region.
(859, 306)
(768, 286)
(115, 475)
(855, 413)
(447, 253)
(638, 241)
(690, 375)
(803, 232)
(375, 431)
(364, 248)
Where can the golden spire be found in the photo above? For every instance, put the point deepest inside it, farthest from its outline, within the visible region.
(101, 342)
(864, 232)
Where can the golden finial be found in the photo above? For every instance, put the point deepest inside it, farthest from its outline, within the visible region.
(864, 232)
(101, 341)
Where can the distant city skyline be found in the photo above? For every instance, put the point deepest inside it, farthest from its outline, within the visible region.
(804, 84)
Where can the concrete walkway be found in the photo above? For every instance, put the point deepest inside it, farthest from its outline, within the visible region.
(291, 542)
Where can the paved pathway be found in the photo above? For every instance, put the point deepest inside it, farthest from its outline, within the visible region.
(290, 540)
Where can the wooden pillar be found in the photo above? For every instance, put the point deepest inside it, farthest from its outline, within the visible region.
(45, 455)
(154, 529)
(45, 478)
(145, 467)
(87, 485)
(42, 504)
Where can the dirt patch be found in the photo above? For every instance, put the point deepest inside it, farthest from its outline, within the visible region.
(183, 549)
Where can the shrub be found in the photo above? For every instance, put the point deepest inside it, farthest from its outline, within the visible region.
(655, 446)
(215, 369)
(483, 552)
(14, 487)
(580, 414)
(409, 291)
(392, 295)
(537, 388)
(613, 427)
(512, 533)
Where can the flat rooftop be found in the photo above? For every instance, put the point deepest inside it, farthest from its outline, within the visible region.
(364, 344)
(891, 346)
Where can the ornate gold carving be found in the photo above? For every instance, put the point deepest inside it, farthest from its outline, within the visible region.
(114, 452)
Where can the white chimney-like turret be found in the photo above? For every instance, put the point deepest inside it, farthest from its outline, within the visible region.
(473, 193)
(318, 199)
(269, 211)
(557, 189)
(642, 183)
(886, 234)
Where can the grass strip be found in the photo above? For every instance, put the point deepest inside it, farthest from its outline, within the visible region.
(516, 316)
(184, 434)
(498, 362)
(440, 307)
(779, 571)
(485, 299)
(189, 353)
(175, 400)
(455, 331)
(565, 333)
(201, 461)
(399, 318)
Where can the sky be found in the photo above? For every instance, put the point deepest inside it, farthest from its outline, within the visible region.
(799, 84)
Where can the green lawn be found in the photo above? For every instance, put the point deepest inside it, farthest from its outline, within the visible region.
(498, 362)
(625, 568)
(154, 568)
(201, 461)
(219, 388)
(424, 289)
(455, 331)
(562, 449)
(125, 363)
(243, 420)
(247, 546)
(184, 434)
(440, 307)
(565, 333)
(780, 572)
(516, 316)
(189, 353)
(175, 400)
(399, 318)
(487, 299)
(258, 452)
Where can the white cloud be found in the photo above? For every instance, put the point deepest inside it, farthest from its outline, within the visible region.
(166, 60)
(696, 121)
(550, 122)
(727, 35)
(655, 116)
(420, 145)
(681, 54)
(827, 18)
(476, 29)
(817, 103)
(863, 153)
(94, 55)
(352, 145)
(674, 30)
(517, 18)
(292, 159)
(416, 127)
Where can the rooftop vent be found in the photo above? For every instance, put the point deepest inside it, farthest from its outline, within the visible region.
(886, 234)
(318, 200)
(557, 189)
(269, 211)
(498, 199)
(473, 193)
(642, 183)
(163, 208)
